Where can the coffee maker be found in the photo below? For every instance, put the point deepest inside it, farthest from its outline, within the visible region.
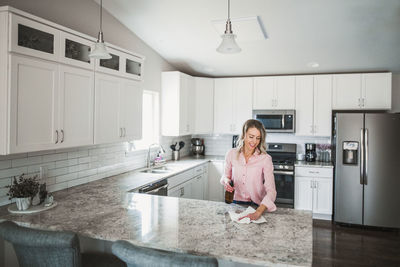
(197, 147)
(311, 153)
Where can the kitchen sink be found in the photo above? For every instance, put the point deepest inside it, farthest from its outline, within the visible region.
(162, 169)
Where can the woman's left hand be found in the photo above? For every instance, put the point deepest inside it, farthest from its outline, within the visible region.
(253, 216)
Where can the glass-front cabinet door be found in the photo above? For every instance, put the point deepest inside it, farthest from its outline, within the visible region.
(112, 65)
(75, 51)
(34, 39)
(133, 67)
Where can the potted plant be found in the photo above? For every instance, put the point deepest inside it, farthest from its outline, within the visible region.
(23, 190)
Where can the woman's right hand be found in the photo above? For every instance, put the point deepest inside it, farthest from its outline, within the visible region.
(227, 186)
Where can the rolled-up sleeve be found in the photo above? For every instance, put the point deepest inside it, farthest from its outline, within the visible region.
(269, 185)
(228, 168)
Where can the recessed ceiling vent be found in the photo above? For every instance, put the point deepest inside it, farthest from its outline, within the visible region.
(247, 29)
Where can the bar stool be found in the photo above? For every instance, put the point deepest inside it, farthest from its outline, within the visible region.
(136, 256)
(40, 248)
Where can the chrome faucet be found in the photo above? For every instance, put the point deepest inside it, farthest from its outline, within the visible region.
(148, 153)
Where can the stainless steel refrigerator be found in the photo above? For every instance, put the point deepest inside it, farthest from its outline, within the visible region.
(367, 169)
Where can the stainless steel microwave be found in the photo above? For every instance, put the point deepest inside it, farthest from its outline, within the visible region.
(276, 121)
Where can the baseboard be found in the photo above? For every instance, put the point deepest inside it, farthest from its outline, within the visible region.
(322, 216)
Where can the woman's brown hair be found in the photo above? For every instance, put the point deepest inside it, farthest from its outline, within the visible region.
(259, 126)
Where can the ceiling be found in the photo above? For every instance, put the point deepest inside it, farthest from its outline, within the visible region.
(339, 35)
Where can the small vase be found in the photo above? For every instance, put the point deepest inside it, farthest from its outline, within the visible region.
(23, 203)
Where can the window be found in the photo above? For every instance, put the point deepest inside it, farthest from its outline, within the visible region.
(150, 120)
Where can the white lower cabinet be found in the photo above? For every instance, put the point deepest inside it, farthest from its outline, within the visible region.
(314, 191)
(183, 190)
(189, 184)
(215, 189)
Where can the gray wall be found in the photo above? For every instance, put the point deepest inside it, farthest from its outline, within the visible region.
(83, 16)
(396, 93)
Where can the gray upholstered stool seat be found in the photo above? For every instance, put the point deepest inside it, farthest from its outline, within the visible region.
(40, 248)
(136, 256)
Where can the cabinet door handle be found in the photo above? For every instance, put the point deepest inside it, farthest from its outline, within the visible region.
(57, 136)
(316, 172)
(359, 102)
(311, 184)
(62, 136)
(124, 132)
(182, 191)
(120, 132)
(363, 102)
(315, 184)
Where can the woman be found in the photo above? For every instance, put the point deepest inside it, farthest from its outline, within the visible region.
(251, 169)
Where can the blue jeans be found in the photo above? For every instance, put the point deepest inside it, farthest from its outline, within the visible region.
(248, 203)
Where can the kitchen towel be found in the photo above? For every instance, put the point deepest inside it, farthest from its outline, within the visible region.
(235, 216)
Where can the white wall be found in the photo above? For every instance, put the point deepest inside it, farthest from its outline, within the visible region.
(396, 93)
(83, 16)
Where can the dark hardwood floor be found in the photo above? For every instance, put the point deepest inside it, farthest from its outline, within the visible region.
(336, 245)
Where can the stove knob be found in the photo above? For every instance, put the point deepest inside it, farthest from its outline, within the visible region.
(280, 167)
(286, 167)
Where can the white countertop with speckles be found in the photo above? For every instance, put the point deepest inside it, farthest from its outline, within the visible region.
(102, 209)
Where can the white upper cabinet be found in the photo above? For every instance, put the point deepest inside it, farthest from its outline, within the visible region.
(75, 51)
(35, 39)
(313, 105)
(131, 109)
(177, 103)
(274, 92)
(51, 105)
(362, 91)
(76, 106)
(121, 64)
(243, 96)
(118, 109)
(285, 92)
(322, 105)
(107, 112)
(47, 88)
(232, 104)
(264, 93)
(223, 105)
(377, 90)
(34, 105)
(304, 105)
(204, 105)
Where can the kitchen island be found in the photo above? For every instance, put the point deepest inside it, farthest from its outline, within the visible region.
(104, 210)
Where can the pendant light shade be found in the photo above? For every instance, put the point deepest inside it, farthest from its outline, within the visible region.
(100, 50)
(228, 44)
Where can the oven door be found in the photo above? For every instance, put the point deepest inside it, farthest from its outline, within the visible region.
(279, 121)
(284, 183)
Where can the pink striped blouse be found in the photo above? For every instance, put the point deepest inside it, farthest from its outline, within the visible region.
(254, 180)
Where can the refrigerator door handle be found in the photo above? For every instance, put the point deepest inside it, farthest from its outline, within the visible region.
(366, 157)
(362, 157)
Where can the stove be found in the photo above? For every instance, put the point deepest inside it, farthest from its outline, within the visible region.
(283, 158)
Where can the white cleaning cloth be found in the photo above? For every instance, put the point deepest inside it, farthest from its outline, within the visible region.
(235, 216)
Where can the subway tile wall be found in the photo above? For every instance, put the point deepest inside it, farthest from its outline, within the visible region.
(65, 168)
(218, 145)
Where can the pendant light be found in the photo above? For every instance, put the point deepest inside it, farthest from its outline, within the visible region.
(228, 44)
(100, 50)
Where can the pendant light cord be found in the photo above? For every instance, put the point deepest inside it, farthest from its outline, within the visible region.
(229, 9)
(101, 15)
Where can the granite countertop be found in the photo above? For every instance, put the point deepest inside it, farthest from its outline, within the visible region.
(102, 209)
(317, 164)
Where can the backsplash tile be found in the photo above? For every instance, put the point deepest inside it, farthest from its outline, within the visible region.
(218, 145)
(65, 168)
